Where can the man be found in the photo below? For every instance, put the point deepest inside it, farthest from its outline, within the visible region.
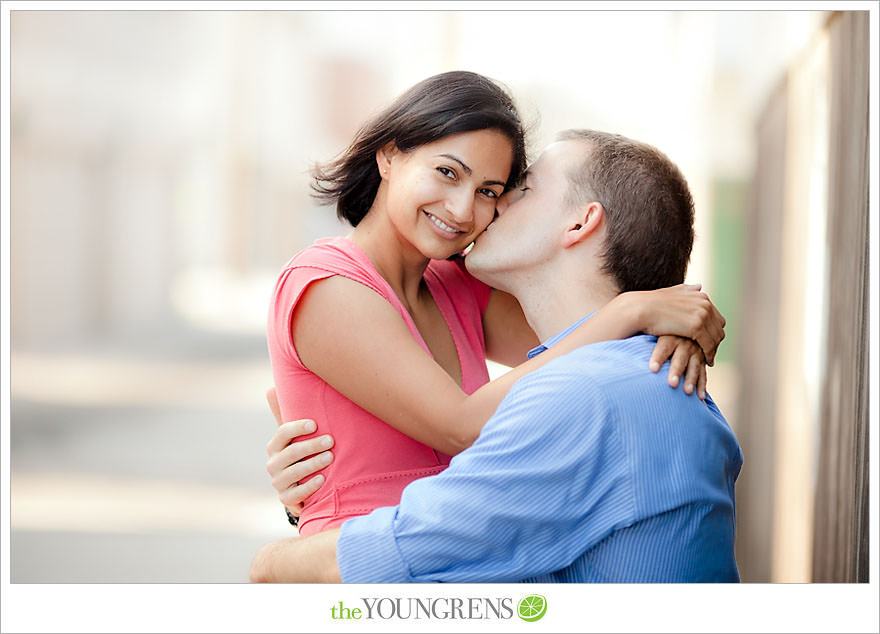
(591, 469)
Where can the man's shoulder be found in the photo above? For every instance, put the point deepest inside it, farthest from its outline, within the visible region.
(618, 373)
(607, 362)
(602, 375)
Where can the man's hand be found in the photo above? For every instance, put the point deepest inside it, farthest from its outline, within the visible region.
(291, 462)
(309, 559)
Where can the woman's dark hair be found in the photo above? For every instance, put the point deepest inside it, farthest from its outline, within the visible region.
(445, 104)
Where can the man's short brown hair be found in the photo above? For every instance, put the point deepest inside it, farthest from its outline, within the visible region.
(648, 209)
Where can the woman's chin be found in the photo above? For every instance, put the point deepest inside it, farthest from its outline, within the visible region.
(444, 251)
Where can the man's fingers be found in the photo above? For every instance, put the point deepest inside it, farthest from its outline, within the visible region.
(294, 473)
(286, 432)
(272, 399)
(296, 454)
(293, 496)
(298, 451)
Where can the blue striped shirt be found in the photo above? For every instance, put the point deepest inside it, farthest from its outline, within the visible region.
(591, 469)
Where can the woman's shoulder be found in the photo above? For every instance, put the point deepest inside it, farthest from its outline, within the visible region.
(335, 253)
(326, 258)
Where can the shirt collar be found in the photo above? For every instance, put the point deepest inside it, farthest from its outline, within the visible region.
(552, 341)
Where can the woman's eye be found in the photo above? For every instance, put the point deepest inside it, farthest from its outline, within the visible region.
(489, 193)
(446, 172)
(524, 189)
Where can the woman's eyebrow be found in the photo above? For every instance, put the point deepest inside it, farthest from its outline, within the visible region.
(467, 170)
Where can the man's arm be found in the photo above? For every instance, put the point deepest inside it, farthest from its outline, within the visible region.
(520, 502)
(309, 559)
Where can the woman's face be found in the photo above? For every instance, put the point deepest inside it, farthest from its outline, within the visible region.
(442, 195)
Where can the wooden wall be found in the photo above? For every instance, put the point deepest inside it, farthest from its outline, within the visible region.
(840, 549)
(802, 498)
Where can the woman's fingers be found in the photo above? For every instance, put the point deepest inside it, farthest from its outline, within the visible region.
(687, 311)
(705, 323)
(701, 384)
(711, 332)
(695, 373)
(715, 327)
(662, 351)
(686, 359)
(679, 362)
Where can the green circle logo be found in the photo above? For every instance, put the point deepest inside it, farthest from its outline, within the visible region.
(532, 608)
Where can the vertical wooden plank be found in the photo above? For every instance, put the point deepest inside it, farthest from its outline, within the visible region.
(840, 551)
(758, 335)
(802, 294)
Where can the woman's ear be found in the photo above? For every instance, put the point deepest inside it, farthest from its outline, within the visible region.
(383, 158)
(586, 220)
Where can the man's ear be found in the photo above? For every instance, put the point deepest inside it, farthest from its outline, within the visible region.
(383, 158)
(585, 221)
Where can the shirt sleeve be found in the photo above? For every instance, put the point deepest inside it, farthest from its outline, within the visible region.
(522, 501)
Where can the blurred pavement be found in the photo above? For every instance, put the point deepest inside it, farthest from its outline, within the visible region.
(141, 464)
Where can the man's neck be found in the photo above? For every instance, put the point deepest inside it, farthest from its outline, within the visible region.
(552, 307)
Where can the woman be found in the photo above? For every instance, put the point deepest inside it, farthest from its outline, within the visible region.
(352, 318)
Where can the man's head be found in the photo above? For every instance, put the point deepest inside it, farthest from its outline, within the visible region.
(622, 200)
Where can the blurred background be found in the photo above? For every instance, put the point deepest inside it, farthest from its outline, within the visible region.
(159, 181)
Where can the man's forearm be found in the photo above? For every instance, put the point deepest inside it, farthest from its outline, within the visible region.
(309, 559)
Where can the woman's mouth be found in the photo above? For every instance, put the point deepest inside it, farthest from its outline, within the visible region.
(442, 226)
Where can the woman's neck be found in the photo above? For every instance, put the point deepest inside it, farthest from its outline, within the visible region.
(397, 261)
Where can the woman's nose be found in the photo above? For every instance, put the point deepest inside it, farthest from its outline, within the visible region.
(462, 207)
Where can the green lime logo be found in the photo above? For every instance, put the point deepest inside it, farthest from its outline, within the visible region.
(532, 608)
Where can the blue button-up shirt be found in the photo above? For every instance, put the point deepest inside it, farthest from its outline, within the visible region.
(591, 469)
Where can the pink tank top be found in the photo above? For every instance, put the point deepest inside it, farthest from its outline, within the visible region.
(373, 462)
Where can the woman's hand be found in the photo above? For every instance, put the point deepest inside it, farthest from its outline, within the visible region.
(686, 359)
(291, 462)
(682, 310)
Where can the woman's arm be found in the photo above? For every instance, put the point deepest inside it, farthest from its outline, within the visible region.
(662, 312)
(357, 342)
(354, 340)
(508, 335)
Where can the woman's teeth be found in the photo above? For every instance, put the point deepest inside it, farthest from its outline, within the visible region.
(441, 224)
